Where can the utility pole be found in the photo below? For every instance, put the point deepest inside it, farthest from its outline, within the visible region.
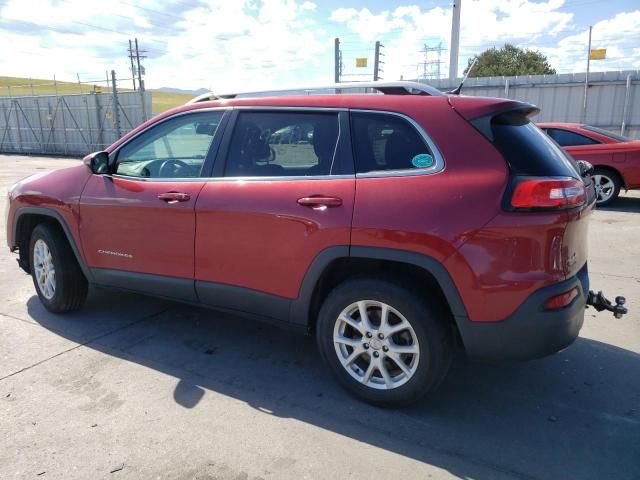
(114, 101)
(336, 60)
(138, 57)
(455, 40)
(586, 79)
(140, 81)
(133, 70)
(377, 62)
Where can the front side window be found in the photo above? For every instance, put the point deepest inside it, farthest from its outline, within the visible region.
(176, 148)
(565, 138)
(274, 144)
(387, 142)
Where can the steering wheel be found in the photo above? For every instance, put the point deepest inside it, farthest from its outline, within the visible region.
(170, 167)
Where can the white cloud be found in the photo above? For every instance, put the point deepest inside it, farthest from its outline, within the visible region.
(308, 6)
(238, 45)
(405, 29)
(217, 43)
(615, 34)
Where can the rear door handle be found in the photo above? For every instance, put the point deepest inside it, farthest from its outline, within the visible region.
(174, 197)
(320, 202)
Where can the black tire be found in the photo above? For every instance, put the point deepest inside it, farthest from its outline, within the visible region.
(428, 321)
(70, 283)
(617, 184)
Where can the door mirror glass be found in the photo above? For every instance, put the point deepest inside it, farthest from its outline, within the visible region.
(98, 162)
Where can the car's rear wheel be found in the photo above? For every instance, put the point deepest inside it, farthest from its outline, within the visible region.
(608, 184)
(383, 343)
(60, 284)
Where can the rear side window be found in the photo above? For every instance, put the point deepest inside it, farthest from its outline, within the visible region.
(384, 141)
(276, 144)
(528, 150)
(565, 138)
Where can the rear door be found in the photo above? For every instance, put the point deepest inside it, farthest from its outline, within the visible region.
(282, 195)
(138, 225)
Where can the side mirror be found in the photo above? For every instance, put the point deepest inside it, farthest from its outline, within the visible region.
(585, 168)
(98, 162)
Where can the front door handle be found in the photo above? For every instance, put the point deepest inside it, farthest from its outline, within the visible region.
(320, 202)
(174, 197)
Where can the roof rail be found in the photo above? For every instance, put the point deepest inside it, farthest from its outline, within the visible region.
(386, 88)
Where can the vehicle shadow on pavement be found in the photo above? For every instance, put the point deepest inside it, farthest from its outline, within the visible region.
(572, 415)
(624, 203)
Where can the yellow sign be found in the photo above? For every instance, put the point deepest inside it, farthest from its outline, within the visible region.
(361, 62)
(598, 54)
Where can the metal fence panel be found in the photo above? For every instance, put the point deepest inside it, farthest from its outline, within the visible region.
(561, 97)
(68, 124)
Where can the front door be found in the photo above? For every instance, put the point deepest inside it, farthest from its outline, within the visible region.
(285, 194)
(138, 225)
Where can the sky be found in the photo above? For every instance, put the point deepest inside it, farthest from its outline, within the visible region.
(235, 45)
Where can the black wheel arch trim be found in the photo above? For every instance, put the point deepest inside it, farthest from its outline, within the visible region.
(301, 307)
(63, 224)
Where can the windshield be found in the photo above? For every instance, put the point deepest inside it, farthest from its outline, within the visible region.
(606, 133)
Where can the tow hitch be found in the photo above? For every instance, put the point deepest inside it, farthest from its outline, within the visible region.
(600, 303)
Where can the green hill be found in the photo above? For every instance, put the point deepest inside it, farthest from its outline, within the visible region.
(160, 101)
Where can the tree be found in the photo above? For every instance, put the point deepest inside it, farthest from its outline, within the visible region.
(509, 61)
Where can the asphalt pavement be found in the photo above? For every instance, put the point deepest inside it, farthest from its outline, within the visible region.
(132, 387)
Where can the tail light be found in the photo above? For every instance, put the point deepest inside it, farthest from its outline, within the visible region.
(548, 193)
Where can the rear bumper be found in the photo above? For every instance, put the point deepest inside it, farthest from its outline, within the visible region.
(531, 331)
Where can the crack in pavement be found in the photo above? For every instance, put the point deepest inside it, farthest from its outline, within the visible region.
(103, 335)
(615, 275)
(18, 318)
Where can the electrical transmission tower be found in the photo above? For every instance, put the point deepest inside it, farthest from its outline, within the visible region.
(429, 68)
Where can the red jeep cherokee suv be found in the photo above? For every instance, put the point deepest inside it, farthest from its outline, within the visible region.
(393, 226)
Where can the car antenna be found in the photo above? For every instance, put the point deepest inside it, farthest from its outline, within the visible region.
(456, 91)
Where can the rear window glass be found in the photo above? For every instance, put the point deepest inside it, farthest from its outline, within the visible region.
(606, 133)
(565, 138)
(387, 142)
(528, 150)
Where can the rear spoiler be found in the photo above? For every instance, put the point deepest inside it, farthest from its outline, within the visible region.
(481, 111)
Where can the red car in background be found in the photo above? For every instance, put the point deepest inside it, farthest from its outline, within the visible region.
(616, 158)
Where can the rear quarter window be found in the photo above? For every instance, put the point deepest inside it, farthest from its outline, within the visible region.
(387, 142)
(528, 150)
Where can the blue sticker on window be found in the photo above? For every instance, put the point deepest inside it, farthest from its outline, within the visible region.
(422, 160)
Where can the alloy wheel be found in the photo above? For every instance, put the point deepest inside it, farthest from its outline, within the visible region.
(45, 272)
(376, 344)
(605, 187)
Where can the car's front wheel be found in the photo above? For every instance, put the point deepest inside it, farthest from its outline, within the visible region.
(60, 284)
(383, 343)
